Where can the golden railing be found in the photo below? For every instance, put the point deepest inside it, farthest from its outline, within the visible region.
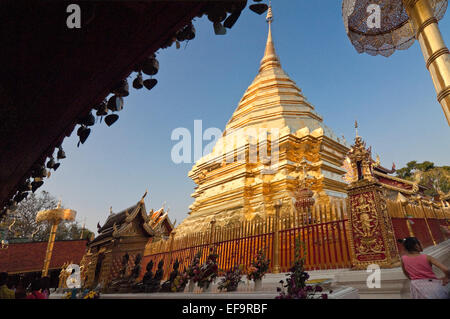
(322, 228)
(422, 219)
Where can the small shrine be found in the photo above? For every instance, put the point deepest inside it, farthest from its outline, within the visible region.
(115, 254)
(361, 167)
(371, 188)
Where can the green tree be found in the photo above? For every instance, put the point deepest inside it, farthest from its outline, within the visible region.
(21, 224)
(433, 178)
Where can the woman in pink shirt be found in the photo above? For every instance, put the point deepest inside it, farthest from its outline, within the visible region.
(418, 268)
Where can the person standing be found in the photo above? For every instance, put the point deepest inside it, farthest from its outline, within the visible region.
(417, 267)
(45, 286)
(36, 290)
(20, 292)
(5, 292)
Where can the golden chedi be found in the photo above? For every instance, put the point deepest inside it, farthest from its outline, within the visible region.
(257, 159)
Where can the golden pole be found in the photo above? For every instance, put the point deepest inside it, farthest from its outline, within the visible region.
(437, 219)
(172, 236)
(55, 216)
(426, 220)
(436, 54)
(211, 238)
(408, 223)
(48, 253)
(276, 243)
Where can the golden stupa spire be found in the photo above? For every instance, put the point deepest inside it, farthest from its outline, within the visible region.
(270, 59)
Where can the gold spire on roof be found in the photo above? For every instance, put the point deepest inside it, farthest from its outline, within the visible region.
(270, 59)
(269, 13)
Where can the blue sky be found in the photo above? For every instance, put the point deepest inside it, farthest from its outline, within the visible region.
(393, 99)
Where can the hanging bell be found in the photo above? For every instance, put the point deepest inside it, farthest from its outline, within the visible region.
(20, 196)
(36, 184)
(88, 120)
(102, 109)
(167, 44)
(138, 67)
(115, 103)
(232, 19)
(219, 29)
(111, 119)
(36, 171)
(181, 35)
(51, 163)
(217, 14)
(61, 154)
(25, 186)
(40, 172)
(259, 8)
(190, 32)
(138, 82)
(83, 132)
(151, 66)
(122, 88)
(150, 83)
(55, 167)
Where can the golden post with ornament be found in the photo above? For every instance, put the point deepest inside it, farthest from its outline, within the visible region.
(380, 27)
(54, 217)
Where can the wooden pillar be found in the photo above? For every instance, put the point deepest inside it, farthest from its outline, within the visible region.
(276, 238)
(51, 242)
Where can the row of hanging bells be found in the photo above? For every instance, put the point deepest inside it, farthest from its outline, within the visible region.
(223, 14)
(218, 13)
(39, 171)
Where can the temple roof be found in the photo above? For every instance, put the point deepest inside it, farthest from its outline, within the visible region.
(117, 224)
(117, 218)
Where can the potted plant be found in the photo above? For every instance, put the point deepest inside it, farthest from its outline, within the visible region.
(180, 282)
(91, 295)
(193, 271)
(295, 286)
(208, 272)
(258, 268)
(231, 280)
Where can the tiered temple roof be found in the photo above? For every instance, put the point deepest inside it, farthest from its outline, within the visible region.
(118, 224)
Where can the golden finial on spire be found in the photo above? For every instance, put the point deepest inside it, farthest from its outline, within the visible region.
(356, 128)
(269, 17)
(270, 59)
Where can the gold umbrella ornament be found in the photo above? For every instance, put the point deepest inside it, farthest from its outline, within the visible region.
(380, 27)
(54, 217)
